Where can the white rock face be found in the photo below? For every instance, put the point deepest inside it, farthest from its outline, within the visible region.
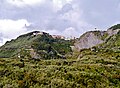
(87, 41)
(93, 38)
(112, 32)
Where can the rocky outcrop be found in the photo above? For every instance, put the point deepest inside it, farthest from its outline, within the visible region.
(112, 32)
(88, 40)
(93, 38)
(58, 37)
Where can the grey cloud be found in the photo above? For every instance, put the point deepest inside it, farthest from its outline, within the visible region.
(67, 7)
(1, 39)
(42, 16)
(98, 13)
(101, 13)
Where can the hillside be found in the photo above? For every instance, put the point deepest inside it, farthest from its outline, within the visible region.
(104, 44)
(96, 63)
(36, 45)
(109, 49)
(112, 42)
(105, 52)
(96, 67)
(93, 38)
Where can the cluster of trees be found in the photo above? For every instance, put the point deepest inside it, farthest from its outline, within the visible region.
(117, 26)
(50, 48)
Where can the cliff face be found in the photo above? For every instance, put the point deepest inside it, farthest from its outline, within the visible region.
(93, 38)
(88, 40)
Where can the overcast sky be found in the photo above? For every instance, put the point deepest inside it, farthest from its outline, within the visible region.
(64, 17)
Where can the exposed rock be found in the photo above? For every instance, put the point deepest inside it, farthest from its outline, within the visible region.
(58, 37)
(88, 40)
(112, 32)
(93, 38)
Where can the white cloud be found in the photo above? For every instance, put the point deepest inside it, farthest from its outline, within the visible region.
(12, 28)
(22, 3)
(118, 22)
(73, 16)
(52, 32)
(58, 4)
(4, 41)
(70, 32)
(78, 23)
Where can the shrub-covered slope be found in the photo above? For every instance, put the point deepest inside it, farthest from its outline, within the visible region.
(36, 45)
(91, 71)
(95, 67)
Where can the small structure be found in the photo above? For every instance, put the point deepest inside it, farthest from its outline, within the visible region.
(37, 33)
(58, 37)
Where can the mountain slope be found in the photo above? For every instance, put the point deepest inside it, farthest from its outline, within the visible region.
(36, 45)
(94, 67)
(89, 39)
(93, 38)
(112, 43)
(107, 50)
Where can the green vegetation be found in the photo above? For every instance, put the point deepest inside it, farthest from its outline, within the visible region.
(92, 70)
(40, 61)
(115, 27)
(111, 44)
(42, 44)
